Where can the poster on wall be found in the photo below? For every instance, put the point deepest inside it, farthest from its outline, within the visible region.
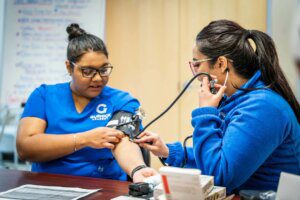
(35, 42)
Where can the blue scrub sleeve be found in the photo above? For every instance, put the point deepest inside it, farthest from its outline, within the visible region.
(176, 156)
(130, 106)
(35, 105)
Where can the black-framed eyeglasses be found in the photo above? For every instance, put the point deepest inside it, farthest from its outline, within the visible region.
(196, 63)
(90, 72)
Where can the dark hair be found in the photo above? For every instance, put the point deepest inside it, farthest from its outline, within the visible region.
(229, 39)
(81, 42)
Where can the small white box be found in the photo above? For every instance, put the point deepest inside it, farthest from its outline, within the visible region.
(207, 184)
(217, 193)
(179, 183)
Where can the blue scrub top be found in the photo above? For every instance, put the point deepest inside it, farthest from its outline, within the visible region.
(55, 105)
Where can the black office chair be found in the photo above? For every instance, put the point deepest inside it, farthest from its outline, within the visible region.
(146, 156)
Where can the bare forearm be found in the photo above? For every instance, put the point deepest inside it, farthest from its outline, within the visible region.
(45, 147)
(35, 145)
(128, 155)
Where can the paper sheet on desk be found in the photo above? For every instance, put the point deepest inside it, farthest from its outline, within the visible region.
(36, 192)
(288, 188)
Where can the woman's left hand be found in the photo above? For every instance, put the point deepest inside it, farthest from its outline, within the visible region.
(140, 175)
(206, 98)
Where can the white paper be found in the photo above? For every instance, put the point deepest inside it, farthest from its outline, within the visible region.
(289, 187)
(37, 192)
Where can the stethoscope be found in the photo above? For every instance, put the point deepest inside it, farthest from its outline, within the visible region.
(140, 115)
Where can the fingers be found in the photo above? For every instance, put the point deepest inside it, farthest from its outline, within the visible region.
(206, 86)
(146, 133)
(218, 85)
(149, 139)
(205, 83)
(115, 133)
(113, 139)
(143, 174)
(221, 91)
(142, 134)
(148, 146)
(142, 137)
(213, 76)
(120, 135)
(108, 145)
(147, 173)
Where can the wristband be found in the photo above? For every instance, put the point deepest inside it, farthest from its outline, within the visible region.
(137, 169)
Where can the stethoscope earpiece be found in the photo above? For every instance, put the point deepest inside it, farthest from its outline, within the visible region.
(226, 79)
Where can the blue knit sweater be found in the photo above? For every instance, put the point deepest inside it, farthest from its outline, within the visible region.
(246, 142)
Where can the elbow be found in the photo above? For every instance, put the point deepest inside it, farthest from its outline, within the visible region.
(228, 180)
(23, 154)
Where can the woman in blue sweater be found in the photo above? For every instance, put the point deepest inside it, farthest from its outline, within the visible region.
(248, 132)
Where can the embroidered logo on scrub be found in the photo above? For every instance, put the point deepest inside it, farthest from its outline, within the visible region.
(101, 109)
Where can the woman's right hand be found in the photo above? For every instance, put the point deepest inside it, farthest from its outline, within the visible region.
(153, 143)
(103, 137)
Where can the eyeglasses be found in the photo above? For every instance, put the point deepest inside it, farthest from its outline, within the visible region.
(90, 72)
(196, 63)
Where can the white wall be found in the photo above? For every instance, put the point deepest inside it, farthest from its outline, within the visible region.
(2, 6)
(279, 26)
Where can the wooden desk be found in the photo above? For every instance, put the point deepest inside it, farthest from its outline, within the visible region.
(111, 188)
(12, 178)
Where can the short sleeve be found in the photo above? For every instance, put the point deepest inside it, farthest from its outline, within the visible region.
(125, 102)
(130, 106)
(35, 105)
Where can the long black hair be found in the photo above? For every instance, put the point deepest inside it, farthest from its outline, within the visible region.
(227, 38)
(81, 42)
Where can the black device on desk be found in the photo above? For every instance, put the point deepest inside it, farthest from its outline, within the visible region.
(257, 195)
(141, 190)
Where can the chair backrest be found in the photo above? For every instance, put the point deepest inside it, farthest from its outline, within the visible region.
(9, 116)
(146, 156)
(4, 118)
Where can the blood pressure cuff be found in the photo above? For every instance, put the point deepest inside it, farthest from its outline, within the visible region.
(121, 117)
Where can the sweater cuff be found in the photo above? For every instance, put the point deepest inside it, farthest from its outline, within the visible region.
(205, 110)
(175, 154)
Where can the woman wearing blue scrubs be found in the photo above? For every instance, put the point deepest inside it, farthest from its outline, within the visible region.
(62, 129)
(247, 137)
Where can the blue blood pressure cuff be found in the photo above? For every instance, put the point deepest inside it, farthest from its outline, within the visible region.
(126, 122)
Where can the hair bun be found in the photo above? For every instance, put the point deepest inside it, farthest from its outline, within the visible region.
(74, 31)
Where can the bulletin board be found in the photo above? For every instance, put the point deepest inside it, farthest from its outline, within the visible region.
(35, 41)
